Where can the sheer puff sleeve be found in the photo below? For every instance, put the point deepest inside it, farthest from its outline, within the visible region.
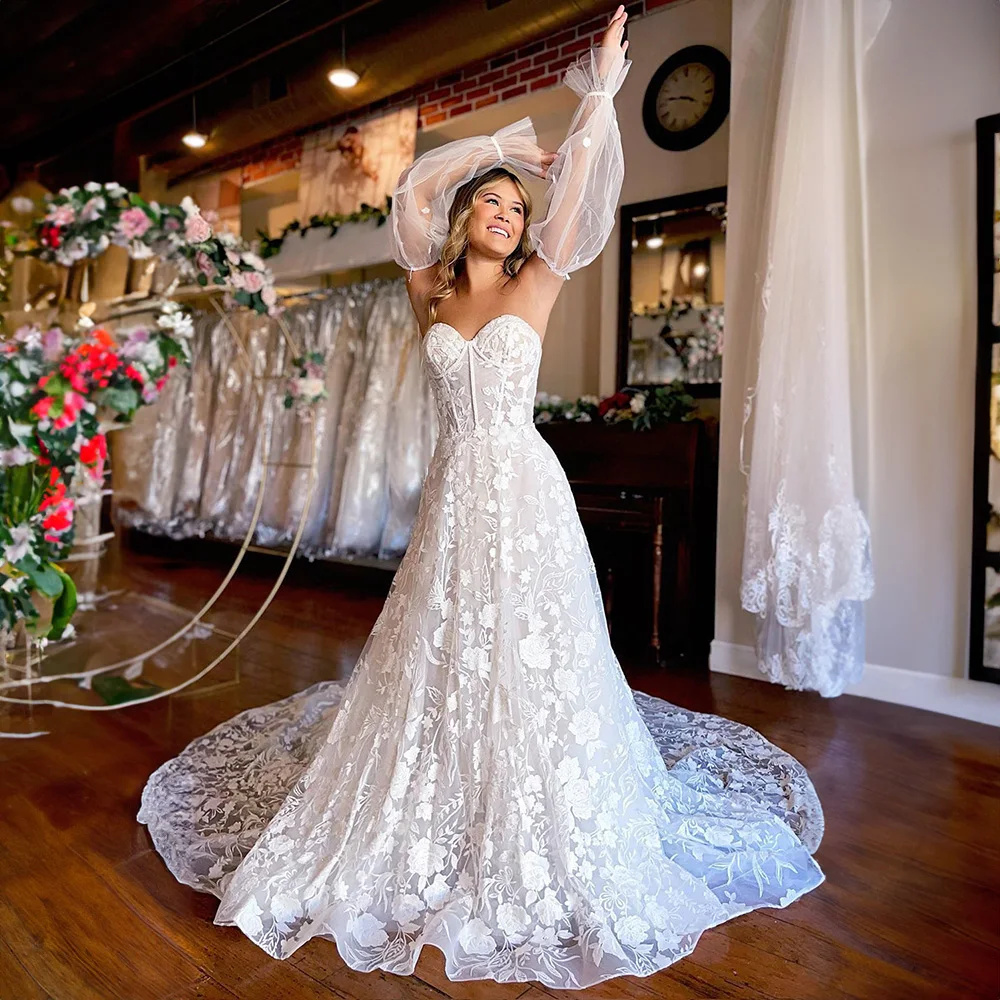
(427, 187)
(586, 176)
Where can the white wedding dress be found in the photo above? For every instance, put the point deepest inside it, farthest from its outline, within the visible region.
(486, 781)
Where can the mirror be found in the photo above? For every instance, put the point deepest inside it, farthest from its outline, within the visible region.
(671, 292)
(984, 644)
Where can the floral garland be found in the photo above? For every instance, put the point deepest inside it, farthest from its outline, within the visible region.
(81, 223)
(271, 245)
(307, 385)
(643, 409)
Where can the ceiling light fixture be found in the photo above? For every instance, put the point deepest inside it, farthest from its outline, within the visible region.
(654, 242)
(194, 139)
(343, 77)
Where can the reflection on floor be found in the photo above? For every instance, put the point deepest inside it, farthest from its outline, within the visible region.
(88, 910)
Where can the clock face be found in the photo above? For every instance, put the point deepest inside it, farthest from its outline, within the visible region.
(685, 96)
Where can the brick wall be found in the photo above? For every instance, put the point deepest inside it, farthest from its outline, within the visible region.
(505, 77)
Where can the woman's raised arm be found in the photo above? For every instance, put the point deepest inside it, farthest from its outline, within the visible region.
(586, 176)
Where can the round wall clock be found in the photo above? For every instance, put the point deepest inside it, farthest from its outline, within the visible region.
(688, 98)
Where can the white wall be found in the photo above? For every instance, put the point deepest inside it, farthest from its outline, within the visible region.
(934, 69)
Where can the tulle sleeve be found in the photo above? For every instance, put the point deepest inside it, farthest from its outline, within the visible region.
(586, 177)
(426, 188)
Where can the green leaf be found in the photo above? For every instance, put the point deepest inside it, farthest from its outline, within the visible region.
(64, 606)
(203, 280)
(43, 577)
(123, 400)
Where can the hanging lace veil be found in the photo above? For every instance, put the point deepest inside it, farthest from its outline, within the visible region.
(797, 229)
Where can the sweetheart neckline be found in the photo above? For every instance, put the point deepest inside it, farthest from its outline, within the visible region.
(475, 336)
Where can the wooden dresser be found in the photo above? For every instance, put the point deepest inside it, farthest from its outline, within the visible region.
(647, 500)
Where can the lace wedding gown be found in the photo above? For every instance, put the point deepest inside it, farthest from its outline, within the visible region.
(486, 781)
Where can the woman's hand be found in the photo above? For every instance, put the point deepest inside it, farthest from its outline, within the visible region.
(612, 49)
(537, 160)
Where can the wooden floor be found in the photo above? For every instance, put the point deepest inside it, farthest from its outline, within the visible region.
(910, 908)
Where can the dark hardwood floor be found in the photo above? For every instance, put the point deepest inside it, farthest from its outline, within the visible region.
(910, 909)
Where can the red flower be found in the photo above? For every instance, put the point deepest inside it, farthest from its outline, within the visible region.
(94, 449)
(42, 407)
(615, 402)
(50, 236)
(134, 374)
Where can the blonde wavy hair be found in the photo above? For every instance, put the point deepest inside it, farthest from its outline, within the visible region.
(456, 246)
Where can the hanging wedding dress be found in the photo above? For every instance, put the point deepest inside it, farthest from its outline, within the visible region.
(486, 781)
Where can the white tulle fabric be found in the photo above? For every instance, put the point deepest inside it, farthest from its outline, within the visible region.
(486, 781)
(797, 233)
(584, 180)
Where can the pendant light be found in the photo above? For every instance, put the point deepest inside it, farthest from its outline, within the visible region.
(343, 77)
(194, 139)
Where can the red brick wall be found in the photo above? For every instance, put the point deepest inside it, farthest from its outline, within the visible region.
(504, 77)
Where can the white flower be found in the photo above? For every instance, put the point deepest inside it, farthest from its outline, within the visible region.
(115, 190)
(577, 794)
(548, 909)
(637, 403)
(92, 209)
(138, 250)
(253, 260)
(476, 939)
(586, 726)
(512, 919)
(438, 892)
(400, 780)
(248, 919)
(659, 915)
(534, 871)
(425, 857)
(631, 930)
(584, 643)
(590, 400)
(22, 205)
(565, 680)
(407, 908)
(91, 186)
(20, 543)
(13, 583)
(311, 388)
(568, 769)
(285, 909)
(534, 650)
(189, 206)
(368, 931)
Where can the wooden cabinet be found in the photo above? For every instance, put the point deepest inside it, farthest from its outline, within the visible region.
(647, 501)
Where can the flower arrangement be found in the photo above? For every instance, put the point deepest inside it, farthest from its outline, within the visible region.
(271, 245)
(81, 223)
(551, 407)
(642, 409)
(306, 386)
(53, 391)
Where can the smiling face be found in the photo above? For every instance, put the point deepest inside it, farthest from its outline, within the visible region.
(497, 220)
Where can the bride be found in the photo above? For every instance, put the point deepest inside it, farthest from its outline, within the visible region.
(486, 781)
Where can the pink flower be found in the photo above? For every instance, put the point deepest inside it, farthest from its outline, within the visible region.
(205, 264)
(253, 281)
(134, 223)
(269, 295)
(61, 215)
(52, 344)
(237, 279)
(196, 229)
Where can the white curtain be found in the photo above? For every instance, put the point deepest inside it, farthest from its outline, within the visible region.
(797, 244)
